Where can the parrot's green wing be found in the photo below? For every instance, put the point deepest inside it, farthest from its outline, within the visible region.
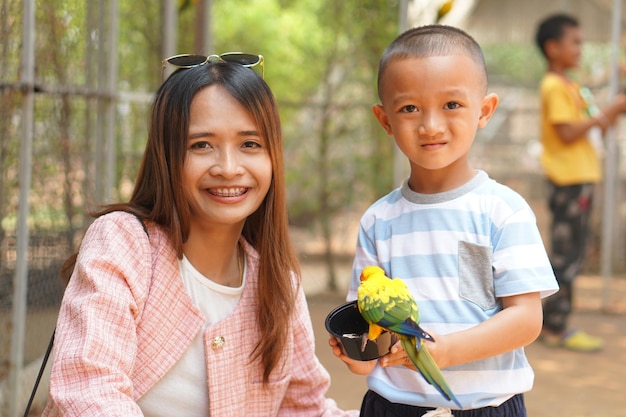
(371, 309)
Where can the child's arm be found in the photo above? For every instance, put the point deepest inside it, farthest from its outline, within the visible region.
(570, 132)
(517, 325)
(357, 367)
(608, 115)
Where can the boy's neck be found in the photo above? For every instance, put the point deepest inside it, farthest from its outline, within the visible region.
(438, 181)
(559, 70)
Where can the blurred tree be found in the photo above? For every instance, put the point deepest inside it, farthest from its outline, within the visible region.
(59, 21)
(357, 34)
(9, 102)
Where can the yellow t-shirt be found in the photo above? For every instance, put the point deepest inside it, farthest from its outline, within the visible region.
(565, 163)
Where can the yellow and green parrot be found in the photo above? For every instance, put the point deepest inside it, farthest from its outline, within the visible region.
(387, 304)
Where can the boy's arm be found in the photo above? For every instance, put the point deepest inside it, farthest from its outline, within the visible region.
(608, 115)
(570, 132)
(517, 325)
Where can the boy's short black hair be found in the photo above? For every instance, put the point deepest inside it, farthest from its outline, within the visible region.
(552, 28)
(428, 41)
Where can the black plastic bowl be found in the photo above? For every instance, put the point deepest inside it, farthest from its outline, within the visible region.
(346, 324)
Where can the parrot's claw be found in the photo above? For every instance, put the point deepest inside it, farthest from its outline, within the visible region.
(364, 339)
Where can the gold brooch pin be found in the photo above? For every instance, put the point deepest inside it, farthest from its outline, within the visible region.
(218, 342)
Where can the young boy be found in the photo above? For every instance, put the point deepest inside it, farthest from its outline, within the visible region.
(467, 247)
(572, 167)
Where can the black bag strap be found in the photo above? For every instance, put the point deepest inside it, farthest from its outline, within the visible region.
(46, 356)
(40, 374)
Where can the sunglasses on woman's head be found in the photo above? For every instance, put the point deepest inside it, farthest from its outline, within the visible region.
(193, 60)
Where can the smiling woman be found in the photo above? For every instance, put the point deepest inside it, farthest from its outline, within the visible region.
(159, 313)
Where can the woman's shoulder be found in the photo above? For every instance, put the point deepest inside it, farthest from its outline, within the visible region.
(126, 223)
(116, 223)
(124, 230)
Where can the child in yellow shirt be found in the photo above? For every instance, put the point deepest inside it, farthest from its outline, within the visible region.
(572, 166)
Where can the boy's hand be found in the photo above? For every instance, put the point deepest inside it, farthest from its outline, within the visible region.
(608, 116)
(398, 357)
(356, 367)
(620, 101)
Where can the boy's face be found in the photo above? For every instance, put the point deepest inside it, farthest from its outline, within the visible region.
(567, 50)
(433, 107)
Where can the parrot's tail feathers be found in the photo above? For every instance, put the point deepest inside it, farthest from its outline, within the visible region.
(427, 366)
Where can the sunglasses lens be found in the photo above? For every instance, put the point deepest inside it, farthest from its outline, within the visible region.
(187, 60)
(242, 59)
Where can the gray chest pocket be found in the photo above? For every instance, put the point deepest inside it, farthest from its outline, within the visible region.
(476, 275)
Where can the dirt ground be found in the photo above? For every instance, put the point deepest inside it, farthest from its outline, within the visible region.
(567, 384)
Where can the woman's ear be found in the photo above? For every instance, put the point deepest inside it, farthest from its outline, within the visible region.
(487, 108)
(382, 118)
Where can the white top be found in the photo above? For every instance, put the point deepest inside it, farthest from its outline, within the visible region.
(182, 391)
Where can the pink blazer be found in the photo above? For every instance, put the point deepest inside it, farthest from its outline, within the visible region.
(126, 319)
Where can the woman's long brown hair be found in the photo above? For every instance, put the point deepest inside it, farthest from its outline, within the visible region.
(158, 194)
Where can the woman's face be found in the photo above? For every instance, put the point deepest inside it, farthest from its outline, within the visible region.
(227, 170)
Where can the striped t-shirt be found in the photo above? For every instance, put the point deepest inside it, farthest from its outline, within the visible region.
(459, 252)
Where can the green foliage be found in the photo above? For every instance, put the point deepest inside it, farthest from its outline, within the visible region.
(520, 64)
(139, 45)
(60, 42)
(289, 37)
(10, 45)
(523, 65)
